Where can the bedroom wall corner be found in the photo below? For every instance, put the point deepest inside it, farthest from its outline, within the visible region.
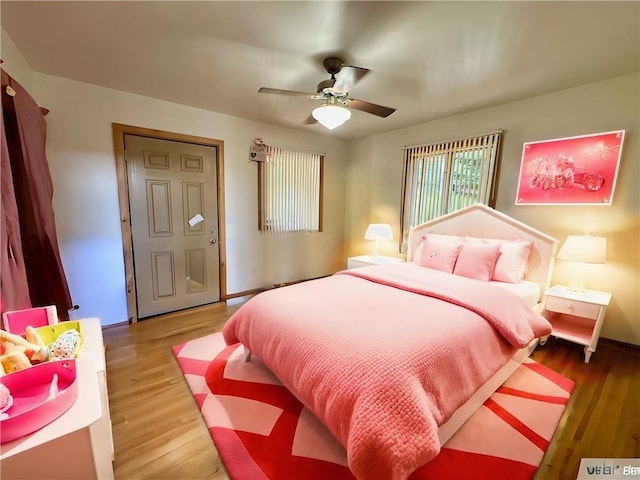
(15, 64)
(372, 197)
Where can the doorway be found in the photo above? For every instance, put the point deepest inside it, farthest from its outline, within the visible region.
(172, 214)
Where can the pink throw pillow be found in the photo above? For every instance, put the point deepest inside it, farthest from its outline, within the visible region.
(434, 236)
(511, 266)
(512, 263)
(438, 254)
(477, 260)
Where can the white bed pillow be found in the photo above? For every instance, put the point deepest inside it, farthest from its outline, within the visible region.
(512, 263)
(529, 292)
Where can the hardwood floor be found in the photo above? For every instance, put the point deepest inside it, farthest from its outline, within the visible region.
(157, 429)
(602, 419)
(159, 433)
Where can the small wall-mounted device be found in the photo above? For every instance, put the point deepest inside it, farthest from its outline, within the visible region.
(258, 150)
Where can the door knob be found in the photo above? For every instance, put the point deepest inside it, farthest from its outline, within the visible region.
(212, 241)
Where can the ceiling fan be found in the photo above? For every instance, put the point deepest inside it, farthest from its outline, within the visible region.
(334, 92)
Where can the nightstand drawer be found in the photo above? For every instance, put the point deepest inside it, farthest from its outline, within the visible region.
(573, 307)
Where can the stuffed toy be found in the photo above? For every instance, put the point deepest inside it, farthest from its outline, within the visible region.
(6, 401)
(34, 337)
(14, 361)
(65, 346)
(10, 342)
(17, 353)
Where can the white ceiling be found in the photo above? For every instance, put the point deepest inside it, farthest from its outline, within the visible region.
(427, 59)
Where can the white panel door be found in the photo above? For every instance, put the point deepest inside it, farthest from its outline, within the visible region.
(174, 224)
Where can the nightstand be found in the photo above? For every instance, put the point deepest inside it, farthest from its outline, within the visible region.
(366, 260)
(576, 316)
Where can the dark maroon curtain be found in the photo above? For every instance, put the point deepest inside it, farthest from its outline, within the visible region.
(26, 132)
(13, 274)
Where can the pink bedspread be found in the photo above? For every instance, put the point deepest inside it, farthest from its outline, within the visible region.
(384, 367)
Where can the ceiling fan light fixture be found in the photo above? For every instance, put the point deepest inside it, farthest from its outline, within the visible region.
(331, 116)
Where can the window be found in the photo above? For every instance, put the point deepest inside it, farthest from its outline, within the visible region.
(443, 177)
(290, 191)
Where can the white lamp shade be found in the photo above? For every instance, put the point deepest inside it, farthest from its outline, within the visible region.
(584, 249)
(331, 116)
(378, 231)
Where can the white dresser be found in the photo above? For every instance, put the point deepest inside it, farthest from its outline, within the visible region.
(79, 443)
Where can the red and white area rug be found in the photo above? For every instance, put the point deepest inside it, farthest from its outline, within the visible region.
(262, 432)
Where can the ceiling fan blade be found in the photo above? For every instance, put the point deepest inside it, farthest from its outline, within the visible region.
(283, 92)
(372, 108)
(347, 77)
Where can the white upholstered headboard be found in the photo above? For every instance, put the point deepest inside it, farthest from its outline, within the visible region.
(481, 221)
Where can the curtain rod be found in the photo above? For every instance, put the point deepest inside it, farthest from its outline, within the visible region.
(301, 151)
(451, 141)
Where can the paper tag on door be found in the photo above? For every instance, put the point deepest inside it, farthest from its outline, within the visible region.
(196, 219)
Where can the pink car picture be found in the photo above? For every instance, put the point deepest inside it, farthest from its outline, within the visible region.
(576, 170)
(561, 172)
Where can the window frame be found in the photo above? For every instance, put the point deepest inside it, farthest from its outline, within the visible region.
(446, 156)
(271, 156)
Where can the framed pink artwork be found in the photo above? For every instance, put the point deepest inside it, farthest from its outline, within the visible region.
(578, 170)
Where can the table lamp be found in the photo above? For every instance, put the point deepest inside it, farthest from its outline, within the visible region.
(582, 249)
(377, 232)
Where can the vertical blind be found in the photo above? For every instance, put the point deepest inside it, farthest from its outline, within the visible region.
(443, 177)
(290, 191)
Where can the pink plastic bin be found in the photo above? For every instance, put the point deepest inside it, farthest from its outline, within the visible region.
(33, 405)
(17, 321)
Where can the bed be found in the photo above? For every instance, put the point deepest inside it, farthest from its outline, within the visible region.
(394, 358)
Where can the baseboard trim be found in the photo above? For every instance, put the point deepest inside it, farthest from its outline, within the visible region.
(255, 291)
(619, 344)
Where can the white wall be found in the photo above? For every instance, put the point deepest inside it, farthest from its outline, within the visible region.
(82, 165)
(14, 62)
(375, 175)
